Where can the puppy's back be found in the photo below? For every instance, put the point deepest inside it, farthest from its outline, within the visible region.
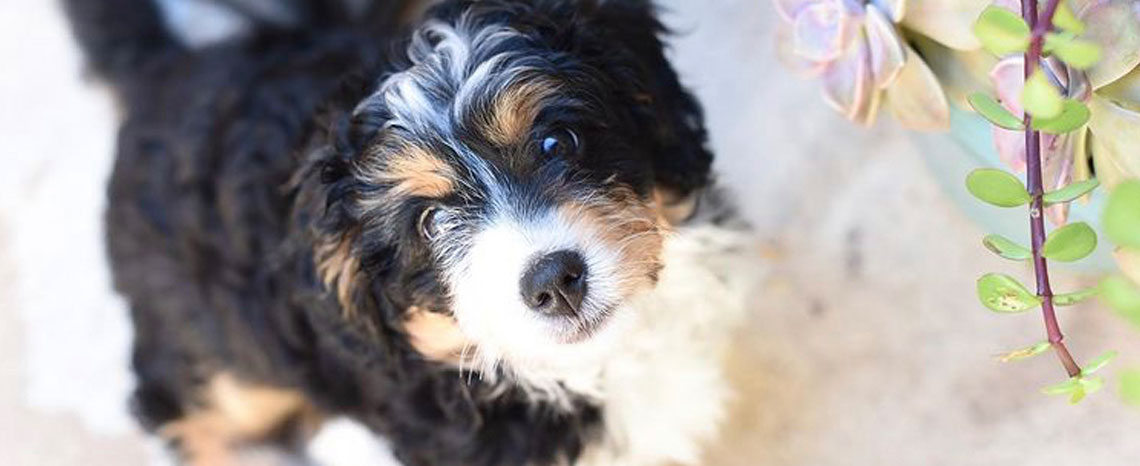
(199, 198)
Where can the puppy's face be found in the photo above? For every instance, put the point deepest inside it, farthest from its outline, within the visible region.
(508, 192)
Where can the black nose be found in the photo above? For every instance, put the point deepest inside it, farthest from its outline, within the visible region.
(555, 284)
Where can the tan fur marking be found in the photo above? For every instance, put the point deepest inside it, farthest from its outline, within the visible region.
(436, 336)
(233, 413)
(629, 225)
(414, 171)
(338, 268)
(674, 208)
(515, 110)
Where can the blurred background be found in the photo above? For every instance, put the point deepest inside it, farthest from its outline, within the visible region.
(866, 347)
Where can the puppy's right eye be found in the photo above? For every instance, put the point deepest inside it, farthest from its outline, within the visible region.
(560, 143)
(429, 222)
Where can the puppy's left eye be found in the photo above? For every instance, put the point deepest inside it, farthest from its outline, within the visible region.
(559, 143)
(429, 222)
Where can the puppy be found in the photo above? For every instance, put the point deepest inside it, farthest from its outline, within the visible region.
(487, 233)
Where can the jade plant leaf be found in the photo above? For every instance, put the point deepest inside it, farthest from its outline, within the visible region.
(1074, 114)
(1122, 215)
(994, 112)
(1040, 97)
(1002, 293)
(1070, 243)
(1071, 192)
(1130, 386)
(1001, 31)
(1098, 362)
(1076, 387)
(1123, 297)
(1069, 299)
(1089, 385)
(1063, 388)
(1006, 248)
(997, 187)
(1027, 352)
(1077, 53)
(1066, 20)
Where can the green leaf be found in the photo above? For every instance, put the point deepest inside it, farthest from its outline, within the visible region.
(1071, 192)
(1076, 387)
(997, 187)
(1089, 385)
(1006, 248)
(1062, 388)
(1079, 54)
(1123, 297)
(1070, 243)
(1040, 97)
(1074, 114)
(1027, 352)
(1078, 395)
(1001, 31)
(991, 110)
(1130, 387)
(1122, 214)
(1002, 293)
(1069, 299)
(1097, 363)
(1065, 20)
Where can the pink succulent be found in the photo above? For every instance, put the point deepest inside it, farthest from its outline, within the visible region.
(860, 56)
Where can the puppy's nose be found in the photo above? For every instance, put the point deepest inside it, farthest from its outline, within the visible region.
(555, 284)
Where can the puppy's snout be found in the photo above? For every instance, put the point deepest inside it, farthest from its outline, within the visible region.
(555, 284)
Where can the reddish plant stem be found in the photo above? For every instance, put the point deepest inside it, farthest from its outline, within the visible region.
(1039, 27)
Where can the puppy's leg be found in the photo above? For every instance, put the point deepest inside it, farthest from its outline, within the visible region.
(233, 415)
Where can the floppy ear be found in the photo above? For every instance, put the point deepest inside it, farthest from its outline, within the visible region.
(666, 113)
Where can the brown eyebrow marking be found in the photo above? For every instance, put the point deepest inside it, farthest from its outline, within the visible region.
(414, 171)
(514, 111)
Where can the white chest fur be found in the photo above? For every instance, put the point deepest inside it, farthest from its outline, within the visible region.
(665, 389)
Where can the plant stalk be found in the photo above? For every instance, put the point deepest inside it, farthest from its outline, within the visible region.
(1039, 27)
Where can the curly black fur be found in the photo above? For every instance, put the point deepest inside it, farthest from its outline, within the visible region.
(234, 163)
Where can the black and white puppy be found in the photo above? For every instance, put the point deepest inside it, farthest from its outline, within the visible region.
(473, 233)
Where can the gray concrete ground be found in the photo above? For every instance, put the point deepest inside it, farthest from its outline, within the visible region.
(866, 347)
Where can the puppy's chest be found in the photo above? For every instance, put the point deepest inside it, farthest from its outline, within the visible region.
(664, 390)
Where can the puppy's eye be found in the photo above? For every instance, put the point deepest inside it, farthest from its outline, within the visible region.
(429, 222)
(559, 143)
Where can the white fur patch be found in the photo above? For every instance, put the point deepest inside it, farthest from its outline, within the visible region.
(343, 442)
(665, 389)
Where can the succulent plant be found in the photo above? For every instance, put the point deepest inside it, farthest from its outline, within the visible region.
(1059, 80)
(918, 55)
(862, 59)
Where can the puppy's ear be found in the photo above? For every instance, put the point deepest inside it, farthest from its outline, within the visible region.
(666, 113)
